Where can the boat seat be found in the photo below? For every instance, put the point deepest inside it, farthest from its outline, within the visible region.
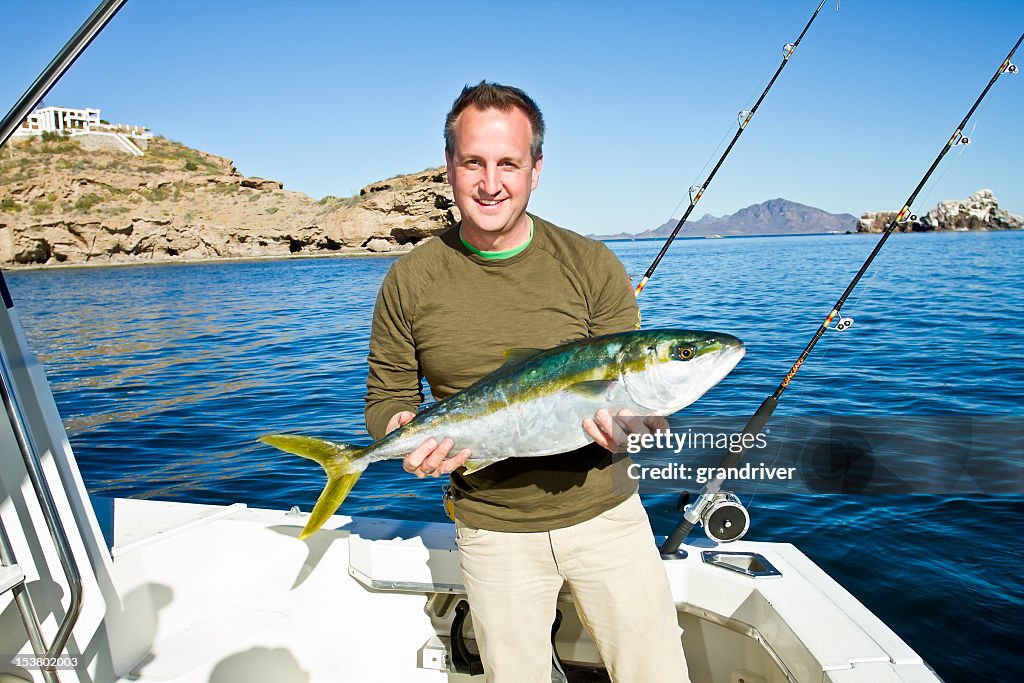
(411, 557)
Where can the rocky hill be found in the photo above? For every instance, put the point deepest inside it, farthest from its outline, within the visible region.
(61, 203)
(980, 211)
(773, 217)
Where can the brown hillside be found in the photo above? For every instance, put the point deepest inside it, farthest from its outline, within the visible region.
(63, 201)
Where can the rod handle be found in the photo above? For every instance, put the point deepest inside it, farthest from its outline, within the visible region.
(671, 545)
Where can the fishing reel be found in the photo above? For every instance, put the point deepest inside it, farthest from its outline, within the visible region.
(723, 517)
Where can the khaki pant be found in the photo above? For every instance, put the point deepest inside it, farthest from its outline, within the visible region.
(617, 582)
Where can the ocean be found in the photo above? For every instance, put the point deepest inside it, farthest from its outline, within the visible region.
(165, 375)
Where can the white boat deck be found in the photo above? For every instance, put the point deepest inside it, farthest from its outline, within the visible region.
(232, 595)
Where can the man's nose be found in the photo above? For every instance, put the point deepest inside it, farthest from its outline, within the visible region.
(492, 180)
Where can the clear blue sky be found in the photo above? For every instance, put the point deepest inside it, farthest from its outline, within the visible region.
(330, 96)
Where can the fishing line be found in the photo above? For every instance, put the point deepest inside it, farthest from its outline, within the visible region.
(726, 132)
(822, 360)
(948, 164)
(725, 136)
(710, 498)
(743, 118)
(964, 142)
(800, 398)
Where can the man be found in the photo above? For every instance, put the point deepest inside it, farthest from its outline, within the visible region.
(447, 312)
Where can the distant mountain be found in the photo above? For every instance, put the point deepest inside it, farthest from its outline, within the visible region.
(773, 217)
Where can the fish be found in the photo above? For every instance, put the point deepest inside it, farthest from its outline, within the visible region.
(536, 402)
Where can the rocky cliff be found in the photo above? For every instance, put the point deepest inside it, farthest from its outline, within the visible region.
(61, 203)
(980, 211)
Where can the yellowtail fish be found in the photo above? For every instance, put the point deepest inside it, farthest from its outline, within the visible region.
(536, 402)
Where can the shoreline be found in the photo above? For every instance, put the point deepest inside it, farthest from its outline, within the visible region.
(15, 267)
(364, 253)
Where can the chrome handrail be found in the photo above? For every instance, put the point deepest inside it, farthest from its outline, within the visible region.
(24, 603)
(58, 534)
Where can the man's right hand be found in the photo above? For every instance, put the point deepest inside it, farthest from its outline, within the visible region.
(430, 458)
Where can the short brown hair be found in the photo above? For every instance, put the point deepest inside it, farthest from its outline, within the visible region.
(486, 95)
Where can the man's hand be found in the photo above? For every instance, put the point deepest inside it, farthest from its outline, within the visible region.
(430, 457)
(399, 419)
(613, 431)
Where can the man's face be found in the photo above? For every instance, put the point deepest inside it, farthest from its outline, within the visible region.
(492, 174)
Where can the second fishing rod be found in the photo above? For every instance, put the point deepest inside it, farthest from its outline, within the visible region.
(744, 118)
(711, 493)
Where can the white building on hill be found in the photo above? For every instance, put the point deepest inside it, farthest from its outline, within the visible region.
(59, 120)
(79, 122)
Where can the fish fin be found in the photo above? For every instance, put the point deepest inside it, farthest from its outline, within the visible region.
(517, 356)
(592, 388)
(340, 461)
(337, 488)
(473, 465)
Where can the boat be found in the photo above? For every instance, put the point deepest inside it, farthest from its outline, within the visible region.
(114, 589)
(100, 590)
(712, 237)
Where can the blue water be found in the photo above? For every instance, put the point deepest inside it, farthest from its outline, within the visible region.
(165, 376)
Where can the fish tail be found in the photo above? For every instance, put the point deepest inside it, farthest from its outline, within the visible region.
(341, 462)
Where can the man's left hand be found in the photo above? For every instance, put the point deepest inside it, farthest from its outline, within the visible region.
(613, 431)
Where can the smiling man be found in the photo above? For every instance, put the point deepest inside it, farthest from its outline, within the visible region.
(493, 168)
(447, 312)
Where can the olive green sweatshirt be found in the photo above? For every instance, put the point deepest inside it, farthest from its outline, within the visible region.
(447, 315)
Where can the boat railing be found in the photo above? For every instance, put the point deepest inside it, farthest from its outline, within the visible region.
(58, 534)
(33, 464)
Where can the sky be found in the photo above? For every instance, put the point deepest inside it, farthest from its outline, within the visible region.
(328, 97)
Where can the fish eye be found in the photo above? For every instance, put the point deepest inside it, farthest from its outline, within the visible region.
(686, 352)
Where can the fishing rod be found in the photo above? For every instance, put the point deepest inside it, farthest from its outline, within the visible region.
(696, 192)
(731, 521)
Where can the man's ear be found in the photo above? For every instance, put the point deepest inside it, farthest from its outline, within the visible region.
(450, 165)
(535, 172)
